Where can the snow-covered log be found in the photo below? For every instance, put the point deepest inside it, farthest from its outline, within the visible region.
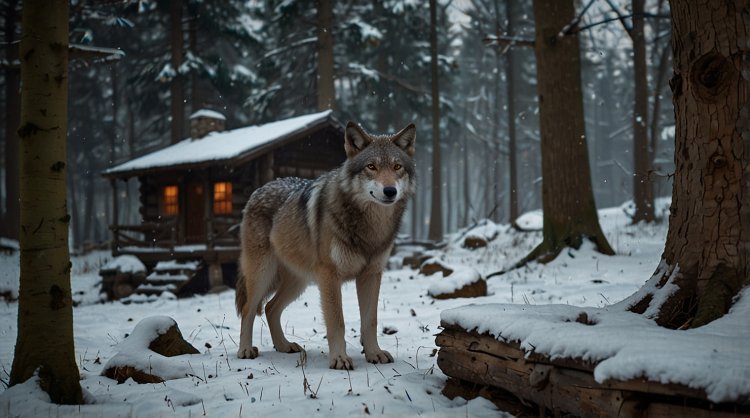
(561, 384)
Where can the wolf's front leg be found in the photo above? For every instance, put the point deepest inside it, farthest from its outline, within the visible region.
(247, 350)
(330, 300)
(368, 290)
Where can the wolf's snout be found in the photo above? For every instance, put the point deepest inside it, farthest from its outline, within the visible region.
(390, 192)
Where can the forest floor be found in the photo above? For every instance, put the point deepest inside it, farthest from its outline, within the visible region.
(283, 385)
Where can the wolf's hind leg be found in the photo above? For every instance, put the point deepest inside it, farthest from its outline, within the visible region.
(290, 287)
(259, 272)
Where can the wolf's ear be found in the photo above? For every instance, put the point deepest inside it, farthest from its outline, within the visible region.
(355, 139)
(406, 138)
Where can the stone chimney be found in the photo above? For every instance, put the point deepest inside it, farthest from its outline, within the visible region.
(206, 121)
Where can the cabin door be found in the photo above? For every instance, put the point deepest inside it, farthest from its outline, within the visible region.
(195, 213)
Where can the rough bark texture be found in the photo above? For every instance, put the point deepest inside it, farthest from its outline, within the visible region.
(177, 94)
(643, 187)
(568, 200)
(326, 88)
(435, 232)
(12, 105)
(45, 312)
(708, 244)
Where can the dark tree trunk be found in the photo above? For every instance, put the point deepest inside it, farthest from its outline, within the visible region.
(12, 219)
(436, 207)
(707, 253)
(661, 76)
(384, 114)
(44, 345)
(510, 77)
(326, 87)
(567, 196)
(466, 182)
(177, 93)
(497, 177)
(74, 193)
(88, 209)
(196, 99)
(643, 187)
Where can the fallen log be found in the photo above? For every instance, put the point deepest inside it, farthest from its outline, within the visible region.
(566, 385)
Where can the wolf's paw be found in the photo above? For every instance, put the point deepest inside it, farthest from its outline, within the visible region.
(340, 362)
(289, 348)
(247, 352)
(379, 357)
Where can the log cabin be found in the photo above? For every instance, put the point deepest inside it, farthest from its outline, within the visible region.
(191, 194)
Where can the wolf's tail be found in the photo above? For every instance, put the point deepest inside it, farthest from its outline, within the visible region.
(240, 296)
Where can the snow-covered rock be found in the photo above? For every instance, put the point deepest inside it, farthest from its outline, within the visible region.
(152, 353)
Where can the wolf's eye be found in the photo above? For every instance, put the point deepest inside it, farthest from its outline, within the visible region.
(371, 167)
(397, 167)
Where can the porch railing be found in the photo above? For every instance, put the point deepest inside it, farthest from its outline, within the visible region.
(161, 234)
(221, 231)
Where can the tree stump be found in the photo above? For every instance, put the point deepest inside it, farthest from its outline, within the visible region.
(432, 266)
(473, 242)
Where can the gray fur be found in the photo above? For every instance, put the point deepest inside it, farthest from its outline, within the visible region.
(338, 227)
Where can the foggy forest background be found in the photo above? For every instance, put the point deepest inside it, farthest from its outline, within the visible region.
(256, 62)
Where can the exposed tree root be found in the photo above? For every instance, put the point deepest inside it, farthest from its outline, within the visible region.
(675, 300)
(549, 249)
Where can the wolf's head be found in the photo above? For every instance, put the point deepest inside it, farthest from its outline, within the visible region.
(380, 168)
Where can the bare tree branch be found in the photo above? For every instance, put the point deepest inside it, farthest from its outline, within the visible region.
(507, 42)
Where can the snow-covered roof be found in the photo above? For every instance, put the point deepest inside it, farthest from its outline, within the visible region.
(207, 113)
(220, 146)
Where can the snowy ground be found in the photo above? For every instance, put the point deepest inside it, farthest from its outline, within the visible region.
(273, 384)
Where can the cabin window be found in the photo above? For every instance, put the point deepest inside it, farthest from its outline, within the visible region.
(223, 198)
(169, 201)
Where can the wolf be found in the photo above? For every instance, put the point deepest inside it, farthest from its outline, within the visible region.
(338, 227)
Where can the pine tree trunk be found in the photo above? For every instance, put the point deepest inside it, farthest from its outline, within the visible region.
(177, 94)
(326, 88)
(10, 227)
(567, 196)
(45, 310)
(659, 88)
(510, 81)
(643, 187)
(707, 253)
(465, 166)
(436, 207)
(196, 100)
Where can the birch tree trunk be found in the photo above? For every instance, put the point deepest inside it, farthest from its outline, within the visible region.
(45, 312)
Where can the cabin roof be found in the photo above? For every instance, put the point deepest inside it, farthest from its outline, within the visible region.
(207, 113)
(237, 145)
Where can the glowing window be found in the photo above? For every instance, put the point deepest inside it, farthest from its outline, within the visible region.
(223, 198)
(169, 201)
